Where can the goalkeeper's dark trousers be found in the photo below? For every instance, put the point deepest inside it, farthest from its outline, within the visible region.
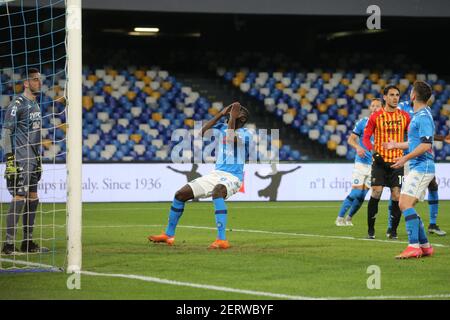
(14, 211)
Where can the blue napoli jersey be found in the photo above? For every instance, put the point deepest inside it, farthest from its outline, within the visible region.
(421, 129)
(359, 131)
(231, 158)
(408, 108)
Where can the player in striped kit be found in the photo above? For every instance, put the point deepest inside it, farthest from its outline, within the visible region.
(388, 124)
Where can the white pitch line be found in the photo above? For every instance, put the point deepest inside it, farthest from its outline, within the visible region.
(262, 232)
(252, 292)
(227, 289)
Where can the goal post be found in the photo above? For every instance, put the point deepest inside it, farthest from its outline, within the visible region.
(74, 135)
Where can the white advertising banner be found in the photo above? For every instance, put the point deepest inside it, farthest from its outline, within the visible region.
(159, 182)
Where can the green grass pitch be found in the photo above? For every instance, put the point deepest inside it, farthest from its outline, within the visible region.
(290, 249)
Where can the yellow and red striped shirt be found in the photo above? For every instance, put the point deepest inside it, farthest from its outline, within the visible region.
(386, 126)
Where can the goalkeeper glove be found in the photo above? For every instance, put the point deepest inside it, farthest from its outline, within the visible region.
(11, 168)
(378, 158)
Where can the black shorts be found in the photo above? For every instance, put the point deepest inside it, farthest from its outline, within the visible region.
(384, 175)
(24, 182)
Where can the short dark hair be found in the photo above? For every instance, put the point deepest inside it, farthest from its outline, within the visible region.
(422, 90)
(247, 113)
(389, 87)
(29, 71)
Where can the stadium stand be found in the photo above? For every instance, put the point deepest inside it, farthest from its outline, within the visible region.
(325, 104)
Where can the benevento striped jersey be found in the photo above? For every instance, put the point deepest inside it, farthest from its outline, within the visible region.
(385, 126)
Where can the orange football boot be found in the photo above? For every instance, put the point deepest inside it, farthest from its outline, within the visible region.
(410, 252)
(426, 252)
(219, 244)
(162, 238)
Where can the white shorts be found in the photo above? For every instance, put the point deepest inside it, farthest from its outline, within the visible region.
(416, 184)
(203, 186)
(406, 169)
(361, 175)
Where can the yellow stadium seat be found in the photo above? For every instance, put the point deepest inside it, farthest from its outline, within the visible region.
(112, 72)
(438, 88)
(374, 77)
(213, 111)
(237, 82)
(147, 80)
(330, 101)
(345, 82)
(139, 74)
(167, 85)
(46, 143)
(156, 95)
(131, 95)
(292, 111)
(60, 99)
(87, 102)
(332, 145)
(369, 96)
(189, 122)
(350, 92)
(108, 89)
(402, 88)
(156, 116)
(136, 138)
(93, 78)
(302, 92)
(411, 77)
(332, 122)
(322, 107)
(240, 75)
(382, 83)
(343, 112)
(277, 143)
(279, 86)
(148, 90)
(326, 77)
(63, 127)
(304, 101)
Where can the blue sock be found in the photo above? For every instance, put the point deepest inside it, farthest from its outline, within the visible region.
(220, 209)
(422, 234)
(412, 225)
(176, 211)
(390, 214)
(433, 203)
(357, 203)
(347, 202)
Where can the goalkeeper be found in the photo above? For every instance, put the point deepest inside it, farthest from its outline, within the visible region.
(21, 143)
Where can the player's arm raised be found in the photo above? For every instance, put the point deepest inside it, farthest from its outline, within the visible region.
(216, 118)
(234, 115)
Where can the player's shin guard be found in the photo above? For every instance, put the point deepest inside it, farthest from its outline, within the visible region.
(412, 225)
(372, 211)
(28, 218)
(357, 202)
(396, 215)
(220, 209)
(176, 211)
(433, 203)
(15, 209)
